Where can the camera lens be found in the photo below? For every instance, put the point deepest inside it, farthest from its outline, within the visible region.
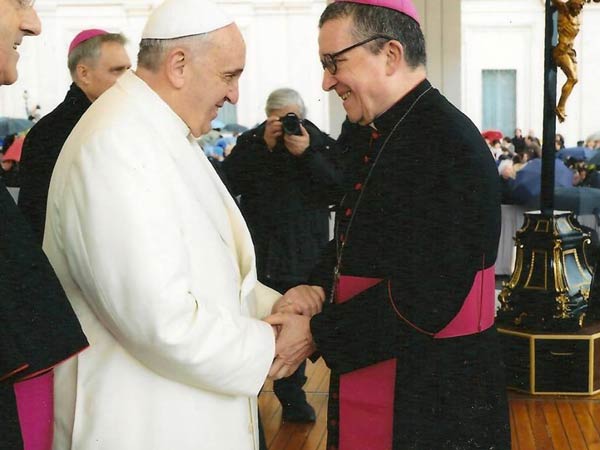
(291, 124)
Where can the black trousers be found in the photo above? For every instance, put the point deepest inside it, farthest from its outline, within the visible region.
(289, 390)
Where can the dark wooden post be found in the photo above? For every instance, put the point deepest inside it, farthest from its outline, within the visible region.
(549, 131)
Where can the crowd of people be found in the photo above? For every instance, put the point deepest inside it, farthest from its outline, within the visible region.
(163, 304)
(576, 166)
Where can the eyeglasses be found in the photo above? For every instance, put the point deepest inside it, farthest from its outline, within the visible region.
(329, 60)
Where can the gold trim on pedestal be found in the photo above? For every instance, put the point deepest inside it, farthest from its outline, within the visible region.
(533, 267)
(542, 226)
(549, 286)
(559, 269)
(582, 273)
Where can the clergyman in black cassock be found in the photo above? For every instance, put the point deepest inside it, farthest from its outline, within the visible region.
(409, 334)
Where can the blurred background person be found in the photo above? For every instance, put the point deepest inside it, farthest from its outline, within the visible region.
(283, 169)
(96, 59)
(559, 142)
(518, 140)
(507, 145)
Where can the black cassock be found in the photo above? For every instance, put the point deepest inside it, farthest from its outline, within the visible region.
(41, 148)
(427, 221)
(38, 328)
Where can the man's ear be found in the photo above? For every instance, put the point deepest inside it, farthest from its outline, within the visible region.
(394, 52)
(82, 72)
(175, 66)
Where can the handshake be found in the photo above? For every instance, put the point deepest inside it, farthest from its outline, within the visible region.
(290, 320)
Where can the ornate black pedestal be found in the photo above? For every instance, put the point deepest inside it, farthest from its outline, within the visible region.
(552, 363)
(550, 285)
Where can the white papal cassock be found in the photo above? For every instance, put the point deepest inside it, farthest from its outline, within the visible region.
(158, 264)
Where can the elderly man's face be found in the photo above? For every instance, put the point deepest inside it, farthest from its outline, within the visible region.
(359, 76)
(17, 19)
(216, 74)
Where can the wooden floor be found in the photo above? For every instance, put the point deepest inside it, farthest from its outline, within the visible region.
(537, 423)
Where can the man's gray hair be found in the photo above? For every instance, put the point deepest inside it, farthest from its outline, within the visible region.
(153, 51)
(281, 98)
(89, 50)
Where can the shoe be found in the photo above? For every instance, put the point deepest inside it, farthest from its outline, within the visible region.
(301, 413)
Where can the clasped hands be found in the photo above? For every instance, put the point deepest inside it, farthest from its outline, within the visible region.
(290, 320)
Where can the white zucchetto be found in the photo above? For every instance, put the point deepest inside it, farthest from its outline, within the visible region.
(174, 19)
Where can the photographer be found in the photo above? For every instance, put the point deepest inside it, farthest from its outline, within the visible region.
(285, 173)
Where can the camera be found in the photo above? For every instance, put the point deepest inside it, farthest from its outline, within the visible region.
(291, 124)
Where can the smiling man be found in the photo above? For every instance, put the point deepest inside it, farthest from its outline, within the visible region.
(410, 337)
(155, 256)
(17, 20)
(96, 59)
(414, 254)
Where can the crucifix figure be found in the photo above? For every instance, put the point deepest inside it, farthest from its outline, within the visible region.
(564, 54)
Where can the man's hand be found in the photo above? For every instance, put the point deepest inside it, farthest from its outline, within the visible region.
(273, 131)
(294, 343)
(302, 299)
(295, 144)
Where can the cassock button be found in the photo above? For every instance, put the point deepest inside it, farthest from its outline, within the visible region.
(332, 447)
(348, 212)
(375, 135)
(335, 395)
(333, 423)
(366, 159)
(342, 237)
(358, 186)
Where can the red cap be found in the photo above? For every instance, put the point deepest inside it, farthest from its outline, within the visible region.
(492, 135)
(404, 6)
(84, 36)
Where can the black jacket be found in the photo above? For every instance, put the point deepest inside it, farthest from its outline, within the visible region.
(284, 200)
(37, 325)
(10, 178)
(41, 148)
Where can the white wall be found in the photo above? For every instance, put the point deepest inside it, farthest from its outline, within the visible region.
(281, 37)
(509, 34)
(282, 51)
(43, 64)
(463, 37)
(440, 21)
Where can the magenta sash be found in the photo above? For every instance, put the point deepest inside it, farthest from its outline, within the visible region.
(35, 406)
(366, 396)
(477, 312)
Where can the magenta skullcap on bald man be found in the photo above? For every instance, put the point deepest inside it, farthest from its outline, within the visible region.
(404, 6)
(174, 19)
(84, 36)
